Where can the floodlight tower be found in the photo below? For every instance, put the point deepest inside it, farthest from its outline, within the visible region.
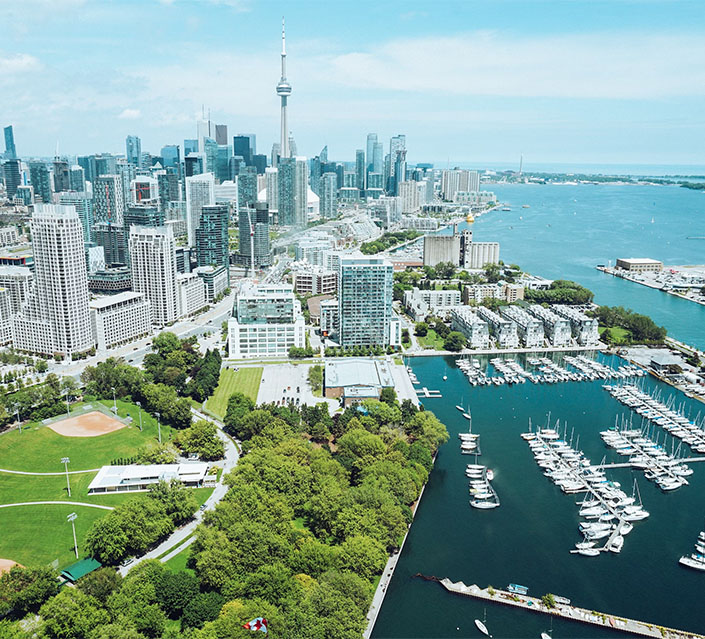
(72, 518)
(65, 461)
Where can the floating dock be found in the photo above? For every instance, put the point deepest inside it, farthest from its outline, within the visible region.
(425, 392)
(565, 611)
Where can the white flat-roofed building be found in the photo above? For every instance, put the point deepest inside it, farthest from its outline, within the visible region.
(267, 321)
(8, 235)
(355, 379)
(530, 328)
(314, 280)
(420, 303)
(477, 254)
(120, 319)
(135, 478)
(639, 264)
(329, 317)
(18, 281)
(419, 223)
(190, 293)
(476, 198)
(464, 320)
(313, 248)
(585, 329)
(5, 317)
(504, 331)
(556, 328)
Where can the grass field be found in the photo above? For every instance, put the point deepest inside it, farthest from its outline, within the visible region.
(178, 562)
(431, 340)
(619, 335)
(39, 449)
(244, 380)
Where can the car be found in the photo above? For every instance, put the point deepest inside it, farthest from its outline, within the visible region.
(298, 390)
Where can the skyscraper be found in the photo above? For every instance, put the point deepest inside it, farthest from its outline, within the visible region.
(62, 181)
(247, 186)
(271, 176)
(242, 147)
(293, 191)
(108, 199)
(39, 177)
(83, 204)
(212, 236)
(10, 150)
(329, 195)
(371, 141)
(133, 146)
(200, 192)
(154, 270)
(170, 156)
(221, 134)
(397, 146)
(13, 178)
(77, 178)
(360, 170)
(284, 91)
(253, 226)
(55, 318)
(365, 286)
(378, 157)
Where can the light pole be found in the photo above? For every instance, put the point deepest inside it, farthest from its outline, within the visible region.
(139, 405)
(159, 427)
(114, 402)
(65, 461)
(72, 518)
(68, 411)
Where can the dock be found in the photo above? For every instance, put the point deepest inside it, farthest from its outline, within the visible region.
(565, 611)
(425, 392)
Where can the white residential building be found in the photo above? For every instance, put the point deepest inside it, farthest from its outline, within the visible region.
(18, 282)
(454, 180)
(419, 223)
(475, 198)
(464, 320)
(8, 235)
(55, 317)
(190, 293)
(329, 317)
(504, 331)
(585, 329)
(530, 329)
(267, 321)
(5, 317)
(215, 279)
(409, 195)
(271, 176)
(420, 303)
(152, 252)
(200, 192)
(120, 319)
(477, 254)
(557, 328)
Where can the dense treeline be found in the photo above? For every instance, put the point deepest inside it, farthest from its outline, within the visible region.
(40, 401)
(642, 329)
(561, 292)
(387, 241)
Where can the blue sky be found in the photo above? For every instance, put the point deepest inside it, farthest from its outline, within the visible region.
(566, 81)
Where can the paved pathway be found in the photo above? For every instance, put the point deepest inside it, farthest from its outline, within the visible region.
(71, 472)
(70, 503)
(232, 455)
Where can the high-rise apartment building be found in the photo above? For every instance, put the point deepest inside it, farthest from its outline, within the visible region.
(221, 134)
(247, 186)
(55, 318)
(329, 195)
(144, 189)
(360, 172)
(77, 178)
(200, 192)
(17, 280)
(455, 180)
(108, 200)
(365, 287)
(62, 180)
(253, 226)
(242, 148)
(13, 177)
(39, 177)
(271, 177)
(152, 252)
(293, 191)
(133, 147)
(83, 204)
(10, 150)
(171, 156)
(212, 236)
(371, 141)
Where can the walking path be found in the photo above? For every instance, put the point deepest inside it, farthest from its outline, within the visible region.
(177, 538)
(71, 472)
(70, 503)
(177, 550)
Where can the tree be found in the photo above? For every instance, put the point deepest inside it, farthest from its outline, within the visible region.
(388, 396)
(23, 590)
(362, 556)
(239, 405)
(202, 439)
(106, 540)
(315, 377)
(175, 591)
(455, 341)
(421, 329)
(72, 614)
(100, 583)
(178, 501)
(203, 607)
(165, 343)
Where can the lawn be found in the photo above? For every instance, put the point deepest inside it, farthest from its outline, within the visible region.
(431, 340)
(619, 335)
(24, 526)
(244, 380)
(39, 449)
(178, 562)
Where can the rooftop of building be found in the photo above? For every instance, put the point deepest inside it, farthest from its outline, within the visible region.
(134, 475)
(353, 371)
(107, 301)
(639, 260)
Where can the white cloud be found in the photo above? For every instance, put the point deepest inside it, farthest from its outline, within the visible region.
(18, 63)
(130, 114)
(601, 65)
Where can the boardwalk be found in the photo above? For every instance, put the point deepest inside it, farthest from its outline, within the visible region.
(566, 611)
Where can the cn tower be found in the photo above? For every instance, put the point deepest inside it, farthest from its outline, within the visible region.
(284, 91)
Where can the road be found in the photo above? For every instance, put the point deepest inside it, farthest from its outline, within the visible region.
(178, 537)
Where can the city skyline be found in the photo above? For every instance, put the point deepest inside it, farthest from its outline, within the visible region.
(558, 82)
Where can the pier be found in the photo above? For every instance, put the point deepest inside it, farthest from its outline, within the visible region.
(425, 392)
(565, 611)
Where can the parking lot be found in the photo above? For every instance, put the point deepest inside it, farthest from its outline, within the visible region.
(289, 382)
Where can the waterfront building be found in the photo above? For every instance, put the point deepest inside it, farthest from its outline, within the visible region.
(190, 294)
(55, 316)
(267, 321)
(17, 281)
(639, 264)
(475, 199)
(133, 148)
(465, 321)
(585, 329)
(478, 254)
(419, 223)
(557, 329)
(529, 328)
(120, 319)
(386, 210)
(503, 331)
(441, 248)
(454, 180)
(353, 379)
(420, 303)
(154, 270)
(200, 192)
(365, 303)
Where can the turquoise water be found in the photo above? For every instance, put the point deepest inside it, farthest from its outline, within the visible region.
(570, 229)
(527, 539)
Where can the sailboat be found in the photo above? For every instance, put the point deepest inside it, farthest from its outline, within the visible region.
(481, 625)
(548, 635)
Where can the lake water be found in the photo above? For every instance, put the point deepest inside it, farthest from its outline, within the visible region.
(565, 233)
